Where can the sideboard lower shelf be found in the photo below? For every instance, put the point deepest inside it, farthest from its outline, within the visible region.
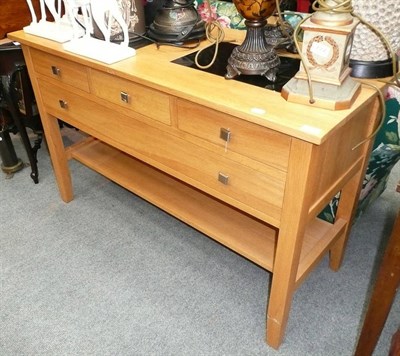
(231, 227)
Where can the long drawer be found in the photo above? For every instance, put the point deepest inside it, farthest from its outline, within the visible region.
(248, 139)
(257, 191)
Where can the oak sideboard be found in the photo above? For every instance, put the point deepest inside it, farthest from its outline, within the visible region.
(235, 161)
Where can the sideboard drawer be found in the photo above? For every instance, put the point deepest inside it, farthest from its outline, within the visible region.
(136, 97)
(248, 139)
(60, 69)
(257, 191)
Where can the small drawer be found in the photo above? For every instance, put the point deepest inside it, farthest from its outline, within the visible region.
(65, 71)
(62, 103)
(135, 97)
(248, 139)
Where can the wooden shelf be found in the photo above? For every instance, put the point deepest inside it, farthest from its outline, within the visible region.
(319, 237)
(247, 236)
(234, 229)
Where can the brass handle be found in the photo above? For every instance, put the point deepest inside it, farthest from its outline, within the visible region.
(223, 178)
(63, 104)
(124, 97)
(56, 71)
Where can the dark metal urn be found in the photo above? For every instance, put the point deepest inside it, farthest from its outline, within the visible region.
(177, 22)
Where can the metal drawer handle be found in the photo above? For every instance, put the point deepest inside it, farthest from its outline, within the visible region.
(125, 97)
(63, 104)
(223, 178)
(225, 134)
(56, 71)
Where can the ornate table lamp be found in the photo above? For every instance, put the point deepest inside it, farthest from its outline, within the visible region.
(254, 56)
(327, 42)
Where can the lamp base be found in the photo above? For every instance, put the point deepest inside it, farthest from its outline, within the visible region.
(371, 69)
(326, 96)
(254, 56)
(12, 169)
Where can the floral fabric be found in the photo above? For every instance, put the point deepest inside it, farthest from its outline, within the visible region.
(222, 11)
(226, 14)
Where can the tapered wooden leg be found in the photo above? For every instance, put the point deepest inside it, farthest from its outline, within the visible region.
(58, 157)
(387, 282)
(346, 208)
(53, 136)
(350, 194)
(282, 290)
(289, 242)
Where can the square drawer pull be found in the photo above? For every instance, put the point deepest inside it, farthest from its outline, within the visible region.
(63, 104)
(125, 97)
(225, 134)
(55, 70)
(223, 178)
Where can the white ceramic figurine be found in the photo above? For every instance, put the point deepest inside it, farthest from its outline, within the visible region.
(59, 30)
(72, 8)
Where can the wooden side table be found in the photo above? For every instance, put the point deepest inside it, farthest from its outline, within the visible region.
(387, 282)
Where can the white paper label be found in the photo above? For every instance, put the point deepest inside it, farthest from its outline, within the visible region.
(321, 50)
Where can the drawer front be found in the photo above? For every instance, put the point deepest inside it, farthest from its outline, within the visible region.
(251, 140)
(256, 191)
(65, 71)
(135, 97)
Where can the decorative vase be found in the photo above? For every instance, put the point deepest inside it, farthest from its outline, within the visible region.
(177, 22)
(132, 12)
(369, 55)
(254, 56)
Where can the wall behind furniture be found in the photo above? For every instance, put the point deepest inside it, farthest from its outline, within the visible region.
(14, 15)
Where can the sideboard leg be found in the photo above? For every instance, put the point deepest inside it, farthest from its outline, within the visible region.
(52, 135)
(290, 239)
(278, 313)
(347, 203)
(283, 285)
(58, 156)
(351, 191)
(346, 210)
